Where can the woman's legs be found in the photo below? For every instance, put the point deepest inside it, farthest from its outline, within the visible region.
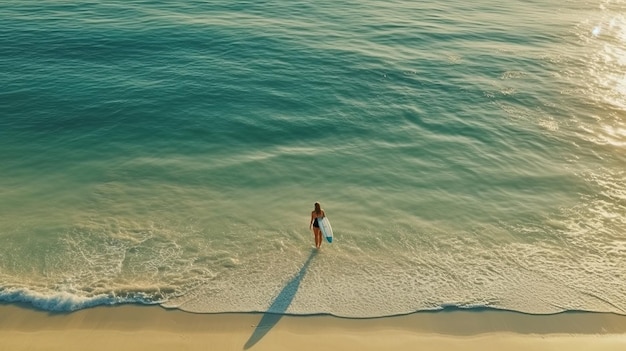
(318, 237)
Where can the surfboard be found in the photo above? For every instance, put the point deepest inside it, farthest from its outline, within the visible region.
(326, 229)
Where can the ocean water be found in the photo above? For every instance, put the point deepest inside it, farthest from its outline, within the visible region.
(468, 154)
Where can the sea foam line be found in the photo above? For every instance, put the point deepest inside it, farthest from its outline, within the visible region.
(66, 302)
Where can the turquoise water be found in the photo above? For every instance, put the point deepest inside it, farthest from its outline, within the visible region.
(467, 154)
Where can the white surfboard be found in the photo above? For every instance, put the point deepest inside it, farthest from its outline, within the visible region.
(326, 229)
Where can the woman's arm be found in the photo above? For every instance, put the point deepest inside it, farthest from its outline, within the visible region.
(312, 219)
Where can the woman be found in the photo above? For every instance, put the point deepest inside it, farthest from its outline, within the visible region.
(315, 214)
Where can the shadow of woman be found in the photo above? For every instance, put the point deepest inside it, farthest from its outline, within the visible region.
(279, 305)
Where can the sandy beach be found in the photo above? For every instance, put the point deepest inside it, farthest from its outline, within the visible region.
(154, 328)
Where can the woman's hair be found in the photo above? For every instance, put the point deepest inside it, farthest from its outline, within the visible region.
(318, 208)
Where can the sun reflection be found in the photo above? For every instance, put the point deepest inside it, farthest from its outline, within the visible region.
(596, 31)
(604, 81)
(610, 60)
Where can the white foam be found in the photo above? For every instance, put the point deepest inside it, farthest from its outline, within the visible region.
(66, 301)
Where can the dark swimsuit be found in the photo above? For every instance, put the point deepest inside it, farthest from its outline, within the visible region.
(315, 224)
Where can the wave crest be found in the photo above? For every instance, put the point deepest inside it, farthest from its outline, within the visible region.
(67, 302)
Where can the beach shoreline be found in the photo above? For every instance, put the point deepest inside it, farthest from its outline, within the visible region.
(133, 327)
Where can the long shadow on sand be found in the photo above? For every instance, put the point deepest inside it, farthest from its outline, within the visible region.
(279, 305)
